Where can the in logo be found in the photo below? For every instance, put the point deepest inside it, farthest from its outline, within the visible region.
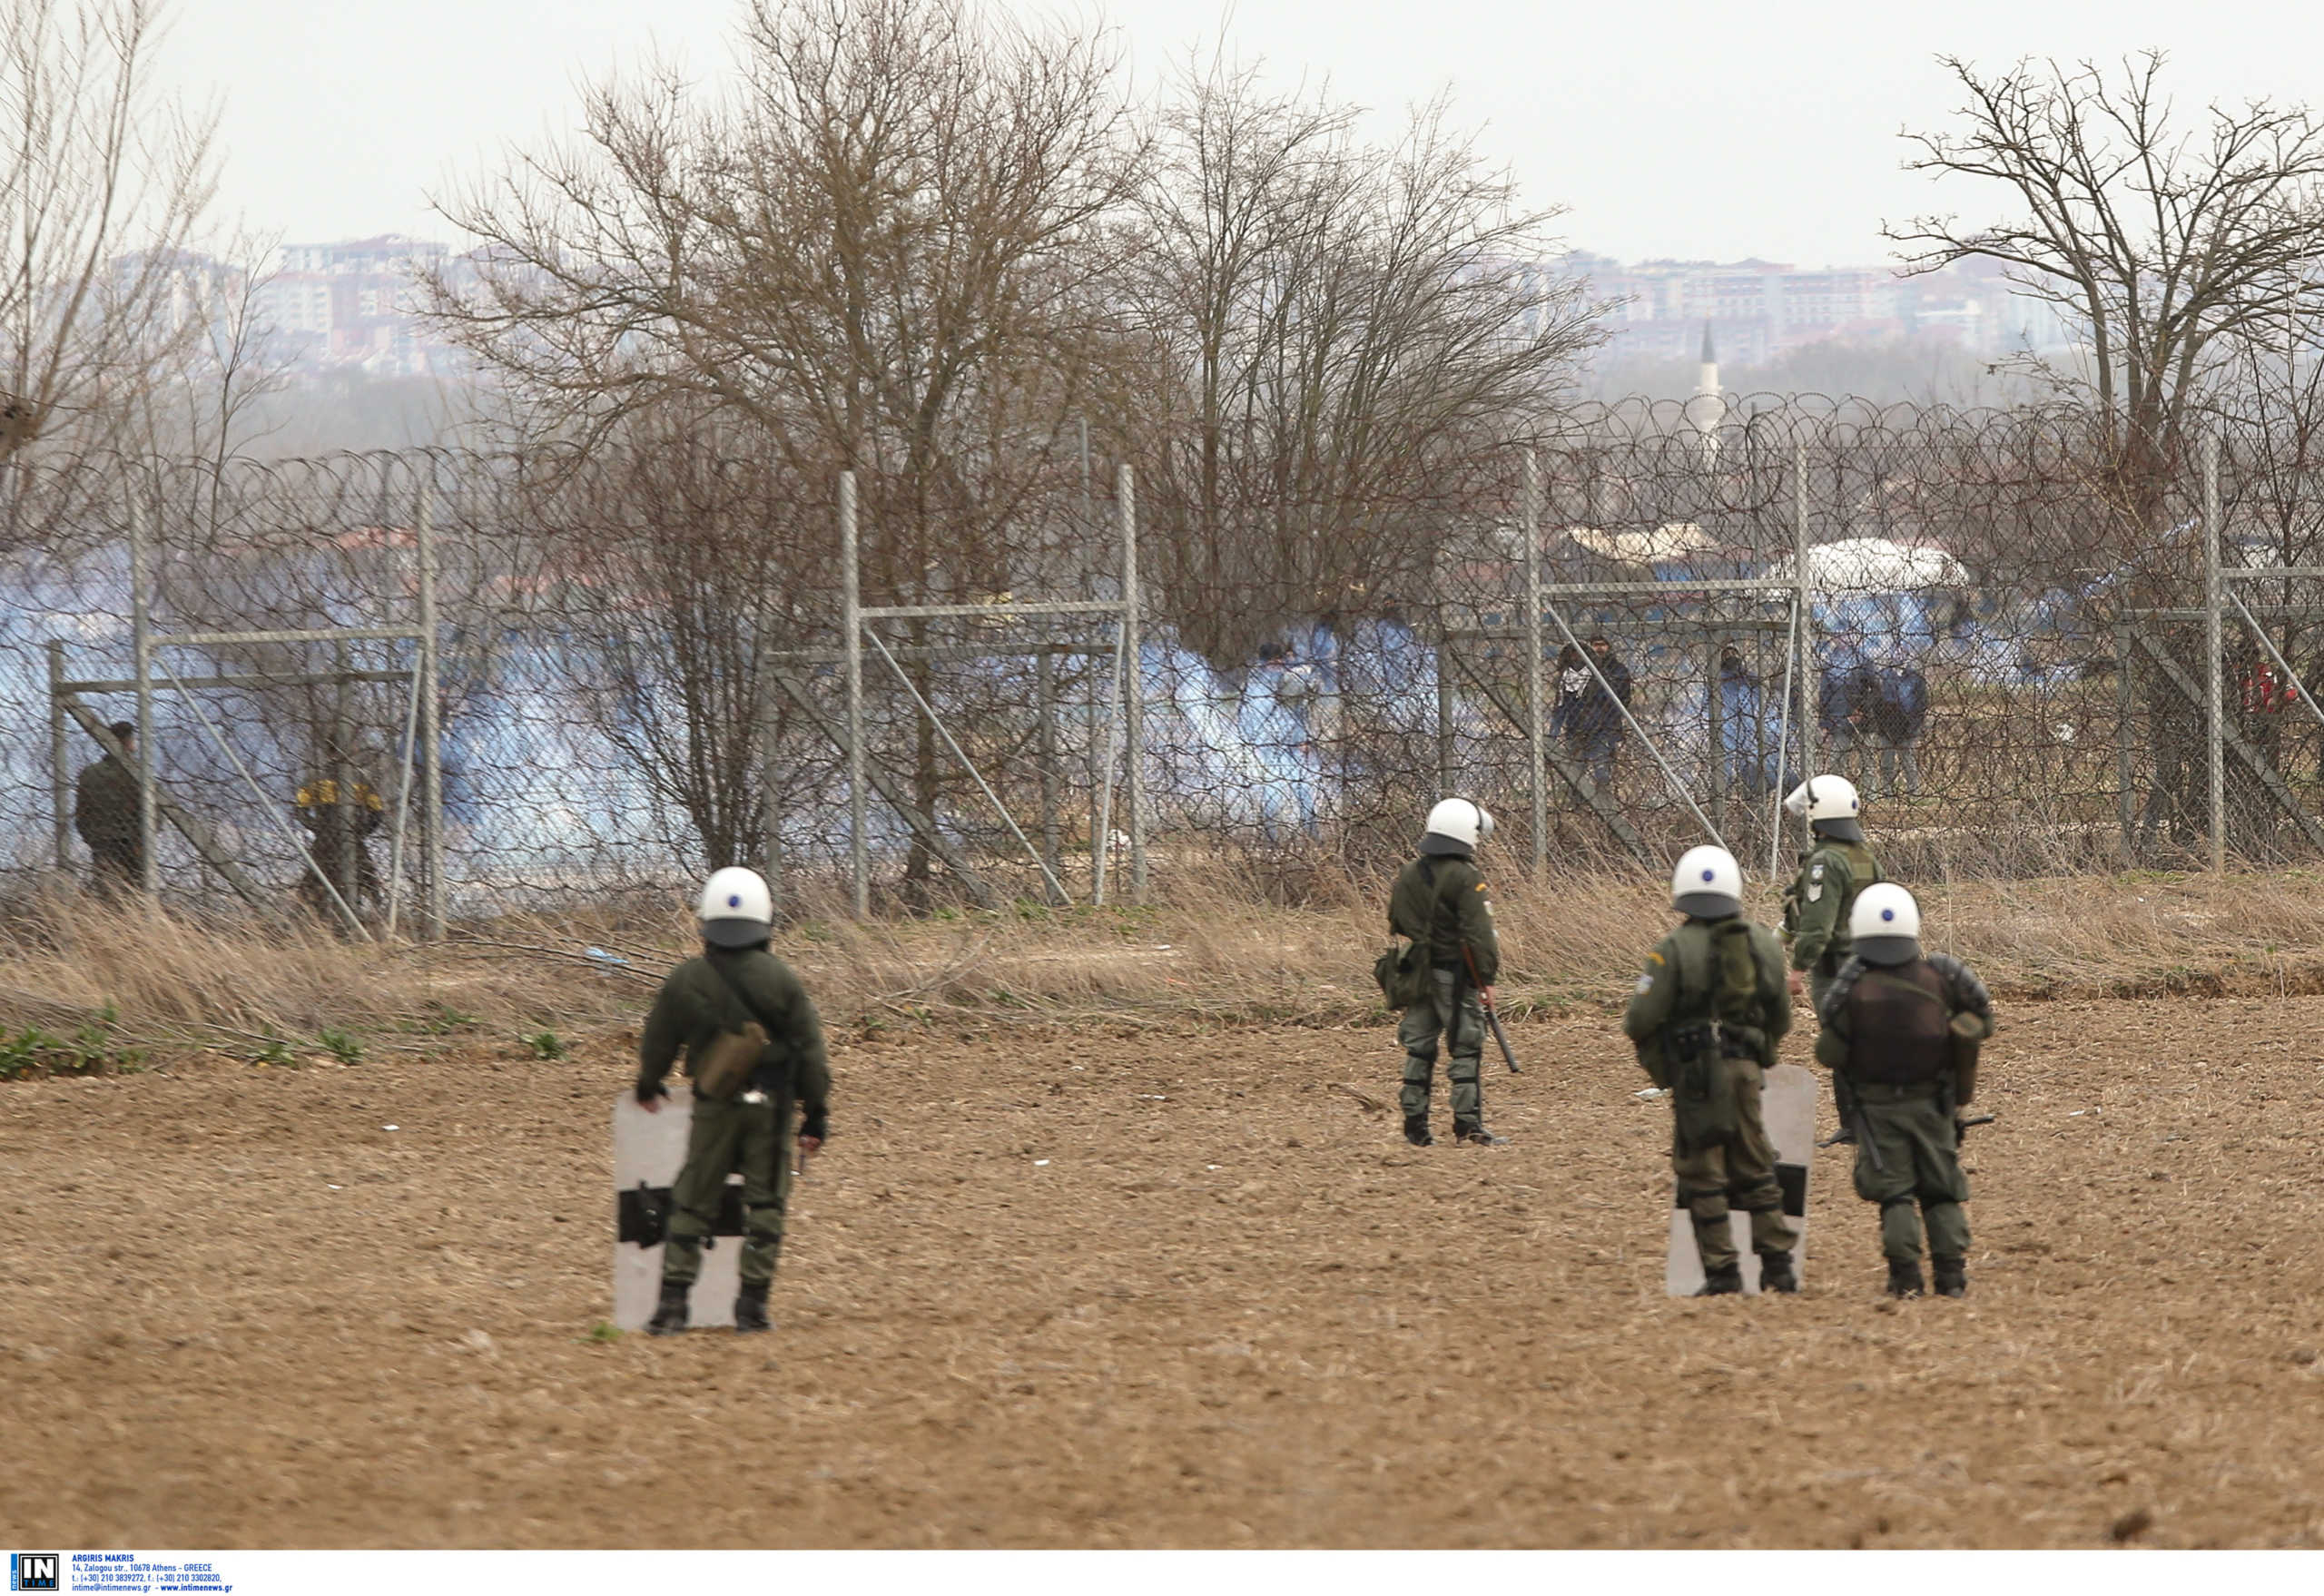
(33, 1571)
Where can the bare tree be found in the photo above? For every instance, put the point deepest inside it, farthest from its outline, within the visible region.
(888, 251)
(680, 567)
(2161, 244)
(105, 182)
(885, 252)
(1342, 329)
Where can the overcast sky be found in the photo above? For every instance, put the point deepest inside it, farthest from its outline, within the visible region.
(1667, 129)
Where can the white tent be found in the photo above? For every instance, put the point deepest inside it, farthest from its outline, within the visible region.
(1877, 565)
(1673, 540)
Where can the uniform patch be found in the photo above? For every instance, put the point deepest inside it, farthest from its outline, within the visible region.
(1815, 891)
(1645, 985)
(1654, 958)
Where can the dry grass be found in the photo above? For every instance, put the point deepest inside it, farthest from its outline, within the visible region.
(1208, 958)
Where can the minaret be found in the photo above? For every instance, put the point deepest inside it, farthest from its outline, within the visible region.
(1707, 407)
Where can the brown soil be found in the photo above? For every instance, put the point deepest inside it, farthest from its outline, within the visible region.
(1231, 1309)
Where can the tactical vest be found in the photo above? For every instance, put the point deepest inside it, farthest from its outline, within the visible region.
(1719, 978)
(1899, 1032)
(1439, 944)
(1863, 870)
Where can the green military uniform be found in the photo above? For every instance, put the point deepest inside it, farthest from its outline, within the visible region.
(104, 811)
(1815, 926)
(1816, 904)
(1440, 903)
(1711, 1006)
(751, 1131)
(1902, 1035)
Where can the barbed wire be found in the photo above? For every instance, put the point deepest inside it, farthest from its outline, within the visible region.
(641, 657)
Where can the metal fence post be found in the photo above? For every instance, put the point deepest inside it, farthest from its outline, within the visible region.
(2125, 711)
(1715, 721)
(431, 740)
(851, 604)
(1803, 638)
(1536, 749)
(2215, 686)
(340, 769)
(60, 756)
(1045, 737)
(140, 625)
(770, 787)
(1133, 660)
(1445, 754)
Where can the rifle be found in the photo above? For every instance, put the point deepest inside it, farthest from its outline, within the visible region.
(1853, 1129)
(1484, 1001)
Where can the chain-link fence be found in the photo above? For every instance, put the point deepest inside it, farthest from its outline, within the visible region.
(641, 668)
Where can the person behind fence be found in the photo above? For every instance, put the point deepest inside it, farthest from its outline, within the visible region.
(1290, 687)
(1816, 904)
(1905, 1028)
(752, 1047)
(1743, 732)
(342, 844)
(1589, 711)
(2175, 799)
(1847, 695)
(104, 811)
(1899, 715)
(1438, 903)
(1709, 1009)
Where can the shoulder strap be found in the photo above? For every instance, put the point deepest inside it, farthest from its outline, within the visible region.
(726, 979)
(773, 1035)
(1436, 889)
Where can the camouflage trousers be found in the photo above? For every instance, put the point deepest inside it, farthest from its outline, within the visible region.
(727, 1138)
(1910, 1132)
(1739, 1173)
(1452, 1013)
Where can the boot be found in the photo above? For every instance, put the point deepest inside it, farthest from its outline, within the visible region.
(1723, 1282)
(1416, 1130)
(1477, 1135)
(1776, 1273)
(670, 1316)
(1952, 1276)
(750, 1308)
(1905, 1278)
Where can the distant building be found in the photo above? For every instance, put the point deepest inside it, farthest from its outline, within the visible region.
(1758, 308)
(357, 305)
(192, 287)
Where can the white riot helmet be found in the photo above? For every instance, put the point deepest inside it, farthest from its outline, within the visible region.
(1830, 804)
(1886, 925)
(1708, 884)
(1461, 821)
(736, 911)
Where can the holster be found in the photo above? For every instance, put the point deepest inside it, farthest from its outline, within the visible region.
(1702, 1094)
(1968, 1039)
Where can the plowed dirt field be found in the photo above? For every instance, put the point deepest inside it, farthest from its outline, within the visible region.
(1231, 1308)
